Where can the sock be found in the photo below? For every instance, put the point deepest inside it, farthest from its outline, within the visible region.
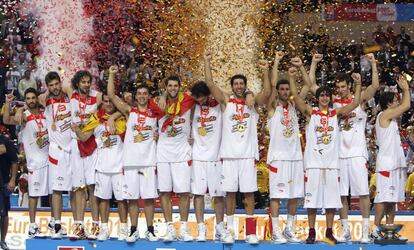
(365, 222)
(104, 226)
(275, 224)
(124, 226)
(57, 222)
(250, 225)
(220, 227)
(133, 230)
(289, 222)
(312, 233)
(150, 229)
(200, 224)
(32, 225)
(230, 221)
(344, 223)
(183, 226)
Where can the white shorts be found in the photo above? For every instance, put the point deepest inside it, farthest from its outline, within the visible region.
(174, 177)
(354, 174)
(60, 172)
(83, 169)
(106, 183)
(286, 179)
(140, 183)
(322, 188)
(391, 185)
(239, 175)
(206, 175)
(38, 182)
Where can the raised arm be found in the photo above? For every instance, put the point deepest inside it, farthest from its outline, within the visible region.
(116, 100)
(7, 118)
(275, 70)
(357, 97)
(297, 62)
(369, 92)
(312, 72)
(299, 101)
(263, 96)
(217, 93)
(404, 105)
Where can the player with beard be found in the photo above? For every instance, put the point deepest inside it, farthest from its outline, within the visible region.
(174, 156)
(353, 154)
(109, 171)
(36, 147)
(58, 119)
(321, 158)
(139, 154)
(391, 168)
(239, 167)
(284, 157)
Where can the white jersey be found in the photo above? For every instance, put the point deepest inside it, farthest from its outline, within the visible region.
(284, 142)
(173, 145)
(109, 150)
(83, 108)
(58, 119)
(140, 147)
(206, 130)
(352, 142)
(390, 152)
(35, 141)
(321, 149)
(239, 139)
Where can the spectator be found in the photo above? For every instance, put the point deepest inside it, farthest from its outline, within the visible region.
(26, 82)
(379, 36)
(8, 168)
(13, 77)
(404, 37)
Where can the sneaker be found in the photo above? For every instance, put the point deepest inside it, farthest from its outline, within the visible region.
(311, 236)
(170, 235)
(185, 236)
(278, 238)
(34, 232)
(202, 231)
(228, 237)
(365, 239)
(330, 239)
(51, 228)
(123, 233)
(56, 235)
(345, 236)
(4, 246)
(94, 233)
(133, 237)
(252, 239)
(376, 234)
(290, 236)
(151, 236)
(78, 232)
(220, 233)
(103, 234)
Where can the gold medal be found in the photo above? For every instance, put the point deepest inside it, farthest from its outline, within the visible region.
(287, 132)
(202, 131)
(326, 139)
(39, 141)
(346, 126)
(138, 138)
(54, 127)
(240, 127)
(172, 132)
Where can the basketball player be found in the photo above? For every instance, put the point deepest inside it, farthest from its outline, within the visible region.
(353, 154)
(36, 147)
(139, 155)
(322, 154)
(284, 157)
(391, 166)
(239, 169)
(109, 171)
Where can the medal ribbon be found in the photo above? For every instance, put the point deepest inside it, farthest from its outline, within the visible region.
(325, 123)
(239, 109)
(82, 108)
(140, 120)
(286, 115)
(203, 114)
(38, 120)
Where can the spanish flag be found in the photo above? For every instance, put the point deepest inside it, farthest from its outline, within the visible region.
(182, 104)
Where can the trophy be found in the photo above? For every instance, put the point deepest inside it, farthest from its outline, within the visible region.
(390, 235)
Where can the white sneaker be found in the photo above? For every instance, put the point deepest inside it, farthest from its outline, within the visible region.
(150, 236)
(170, 235)
(103, 234)
(376, 234)
(220, 232)
(123, 233)
(202, 231)
(365, 239)
(34, 232)
(56, 235)
(290, 236)
(252, 239)
(345, 236)
(133, 237)
(228, 237)
(278, 238)
(185, 236)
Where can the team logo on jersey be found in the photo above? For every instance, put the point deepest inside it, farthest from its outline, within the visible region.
(179, 120)
(207, 119)
(235, 117)
(308, 195)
